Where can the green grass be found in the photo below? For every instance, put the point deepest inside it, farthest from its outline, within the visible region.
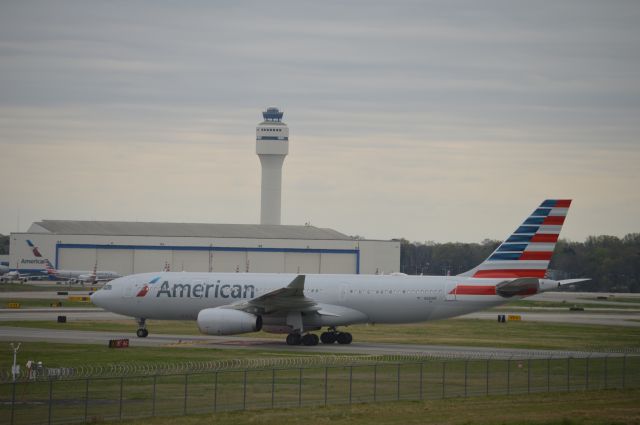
(560, 304)
(25, 287)
(67, 355)
(579, 408)
(457, 332)
(43, 302)
(619, 299)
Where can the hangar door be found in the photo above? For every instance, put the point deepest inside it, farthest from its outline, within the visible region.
(117, 260)
(338, 263)
(151, 260)
(190, 261)
(77, 259)
(301, 262)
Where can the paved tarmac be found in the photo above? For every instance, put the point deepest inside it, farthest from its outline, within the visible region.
(234, 342)
(593, 317)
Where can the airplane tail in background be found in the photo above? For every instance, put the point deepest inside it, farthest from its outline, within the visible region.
(49, 267)
(527, 252)
(34, 249)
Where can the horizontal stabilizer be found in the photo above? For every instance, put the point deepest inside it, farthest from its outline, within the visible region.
(524, 286)
(570, 281)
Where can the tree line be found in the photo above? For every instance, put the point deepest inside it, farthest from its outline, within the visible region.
(4, 245)
(612, 263)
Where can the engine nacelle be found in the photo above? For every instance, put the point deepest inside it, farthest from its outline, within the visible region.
(226, 321)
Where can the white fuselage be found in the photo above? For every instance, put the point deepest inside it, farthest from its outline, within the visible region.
(84, 274)
(343, 299)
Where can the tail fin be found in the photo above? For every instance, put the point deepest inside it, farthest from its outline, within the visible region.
(49, 267)
(34, 249)
(527, 252)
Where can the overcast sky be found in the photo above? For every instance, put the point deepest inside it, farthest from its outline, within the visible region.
(442, 121)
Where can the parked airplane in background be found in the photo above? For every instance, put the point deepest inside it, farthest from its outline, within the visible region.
(14, 276)
(4, 269)
(234, 303)
(80, 276)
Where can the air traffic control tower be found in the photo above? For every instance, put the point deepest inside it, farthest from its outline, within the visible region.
(272, 145)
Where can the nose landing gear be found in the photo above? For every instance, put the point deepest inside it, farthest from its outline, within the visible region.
(142, 331)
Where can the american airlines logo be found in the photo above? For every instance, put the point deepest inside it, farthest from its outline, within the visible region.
(34, 249)
(204, 290)
(145, 289)
(23, 261)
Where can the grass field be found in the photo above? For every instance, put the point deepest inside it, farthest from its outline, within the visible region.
(458, 332)
(67, 355)
(26, 287)
(566, 305)
(580, 408)
(26, 303)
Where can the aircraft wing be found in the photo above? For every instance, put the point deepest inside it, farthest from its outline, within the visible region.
(286, 299)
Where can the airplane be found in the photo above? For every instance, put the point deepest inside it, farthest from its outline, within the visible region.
(4, 269)
(79, 276)
(299, 304)
(14, 276)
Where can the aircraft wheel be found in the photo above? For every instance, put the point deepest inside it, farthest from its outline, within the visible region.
(310, 339)
(328, 337)
(294, 339)
(344, 338)
(142, 333)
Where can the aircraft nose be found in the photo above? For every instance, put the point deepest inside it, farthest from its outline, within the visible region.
(97, 297)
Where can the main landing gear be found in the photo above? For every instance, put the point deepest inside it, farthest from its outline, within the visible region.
(328, 337)
(142, 331)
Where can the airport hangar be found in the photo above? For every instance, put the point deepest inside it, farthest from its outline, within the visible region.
(138, 247)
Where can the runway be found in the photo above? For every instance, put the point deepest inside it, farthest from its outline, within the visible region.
(234, 342)
(606, 318)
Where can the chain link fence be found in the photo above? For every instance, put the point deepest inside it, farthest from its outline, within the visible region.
(93, 399)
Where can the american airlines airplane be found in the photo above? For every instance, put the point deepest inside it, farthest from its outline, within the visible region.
(79, 276)
(297, 305)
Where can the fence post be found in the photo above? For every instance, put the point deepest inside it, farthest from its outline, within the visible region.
(444, 374)
(244, 391)
(624, 371)
(121, 390)
(350, 381)
(466, 364)
(568, 373)
(326, 384)
(549, 374)
(273, 387)
(50, 400)
(215, 392)
(509, 376)
(398, 382)
(606, 373)
(153, 398)
(300, 388)
(86, 399)
(529, 376)
(421, 392)
(375, 382)
(586, 375)
(186, 386)
(13, 401)
(487, 377)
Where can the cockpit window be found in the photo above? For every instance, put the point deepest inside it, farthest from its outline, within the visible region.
(106, 287)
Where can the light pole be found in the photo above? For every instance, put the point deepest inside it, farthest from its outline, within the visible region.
(14, 368)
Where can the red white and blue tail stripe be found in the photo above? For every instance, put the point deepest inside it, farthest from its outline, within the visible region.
(527, 252)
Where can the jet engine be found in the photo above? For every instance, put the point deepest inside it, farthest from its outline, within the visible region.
(226, 321)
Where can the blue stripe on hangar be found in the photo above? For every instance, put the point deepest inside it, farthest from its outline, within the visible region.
(209, 248)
